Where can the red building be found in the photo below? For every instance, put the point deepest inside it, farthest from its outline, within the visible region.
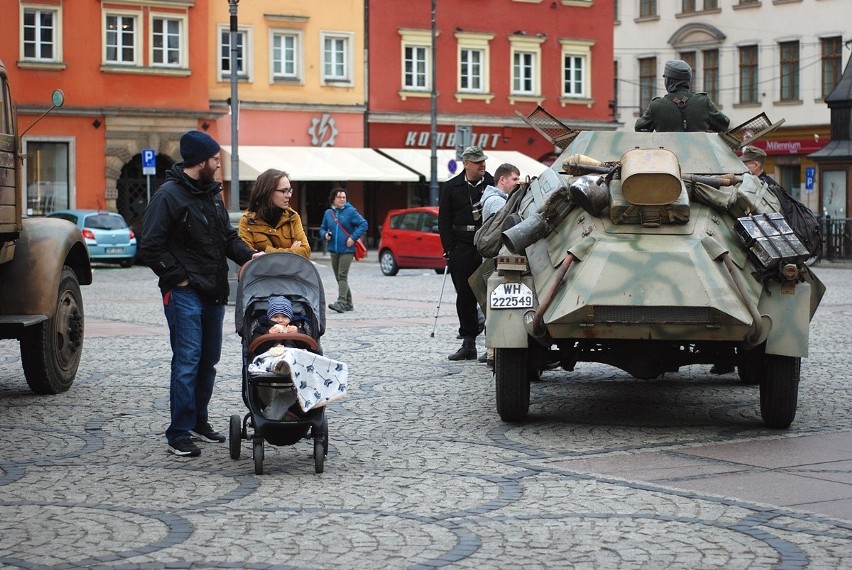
(131, 82)
(492, 58)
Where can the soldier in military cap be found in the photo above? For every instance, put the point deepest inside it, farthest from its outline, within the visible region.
(457, 223)
(681, 109)
(754, 159)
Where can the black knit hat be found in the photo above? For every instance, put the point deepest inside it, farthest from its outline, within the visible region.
(196, 147)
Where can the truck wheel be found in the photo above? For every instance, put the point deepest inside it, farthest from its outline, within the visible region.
(50, 351)
(512, 383)
(779, 390)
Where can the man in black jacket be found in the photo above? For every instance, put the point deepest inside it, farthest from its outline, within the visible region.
(186, 239)
(458, 223)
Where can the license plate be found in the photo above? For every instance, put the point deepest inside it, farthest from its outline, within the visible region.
(511, 296)
(112, 250)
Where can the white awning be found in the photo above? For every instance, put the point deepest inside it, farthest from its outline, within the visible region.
(420, 159)
(305, 164)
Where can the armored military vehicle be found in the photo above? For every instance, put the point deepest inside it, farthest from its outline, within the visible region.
(649, 252)
(42, 264)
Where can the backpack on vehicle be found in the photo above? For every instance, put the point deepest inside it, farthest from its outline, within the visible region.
(801, 220)
(487, 238)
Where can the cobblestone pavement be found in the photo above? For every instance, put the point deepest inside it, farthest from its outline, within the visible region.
(608, 472)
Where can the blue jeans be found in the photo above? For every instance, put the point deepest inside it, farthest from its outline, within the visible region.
(195, 332)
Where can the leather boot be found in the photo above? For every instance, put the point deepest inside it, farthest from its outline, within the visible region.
(467, 350)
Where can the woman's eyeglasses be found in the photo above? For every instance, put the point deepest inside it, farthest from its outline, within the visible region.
(287, 192)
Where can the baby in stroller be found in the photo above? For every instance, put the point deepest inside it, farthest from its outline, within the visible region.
(287, 381)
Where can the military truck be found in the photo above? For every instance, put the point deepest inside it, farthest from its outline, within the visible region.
(43, 262)
(649, 252)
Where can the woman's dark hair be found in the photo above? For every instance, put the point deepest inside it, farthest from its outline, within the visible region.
(334, 192)
(260, 198)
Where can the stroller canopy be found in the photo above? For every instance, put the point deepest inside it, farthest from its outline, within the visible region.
(282, 273)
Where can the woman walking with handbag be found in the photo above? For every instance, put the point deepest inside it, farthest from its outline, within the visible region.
(342, 227)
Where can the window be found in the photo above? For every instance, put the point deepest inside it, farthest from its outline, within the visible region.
(286, 58)
(523, 73)
(242, 65)
(474, 59)
(121, 39)
(416, 64)
(711, 73)
(470, 70)
(526, 65)
(831, 64)
(416, 54)
(789, 71)
(167, 45)
(647, 82)
(48, 169)
(690, 58)
(336, 58)
(576, 67)
(748, 74)
(647, 8)
(688, 6)
(40, 34)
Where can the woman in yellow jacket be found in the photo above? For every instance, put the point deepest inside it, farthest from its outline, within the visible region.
(270, 224)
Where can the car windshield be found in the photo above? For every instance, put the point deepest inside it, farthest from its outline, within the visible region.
(105, 222)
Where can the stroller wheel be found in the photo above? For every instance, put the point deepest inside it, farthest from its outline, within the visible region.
(257, 451)
(319, 455)
(235, 436)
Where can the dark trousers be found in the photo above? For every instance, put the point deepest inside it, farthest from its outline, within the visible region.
(463, 261)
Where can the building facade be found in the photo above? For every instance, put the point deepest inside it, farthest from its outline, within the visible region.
(131, 82)
(779, 57)
(491, 60)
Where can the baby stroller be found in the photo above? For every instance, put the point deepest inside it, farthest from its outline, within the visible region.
(296, 278)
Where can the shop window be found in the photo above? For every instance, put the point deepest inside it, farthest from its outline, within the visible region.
(48, 177)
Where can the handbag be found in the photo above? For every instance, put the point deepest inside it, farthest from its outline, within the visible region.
(360, 248)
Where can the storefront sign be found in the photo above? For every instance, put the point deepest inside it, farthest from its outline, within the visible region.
(323, 131)
(792, 146)
(420, 139)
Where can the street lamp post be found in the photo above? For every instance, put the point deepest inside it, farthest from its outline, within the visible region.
(234, 195)
(433, 135)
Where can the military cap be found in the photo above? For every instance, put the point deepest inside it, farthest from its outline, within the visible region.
(753, 153)
(474, 154)
(677, 69)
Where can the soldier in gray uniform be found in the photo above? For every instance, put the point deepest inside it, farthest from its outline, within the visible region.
(681, 109)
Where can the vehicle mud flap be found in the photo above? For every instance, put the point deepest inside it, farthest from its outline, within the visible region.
(790, 307)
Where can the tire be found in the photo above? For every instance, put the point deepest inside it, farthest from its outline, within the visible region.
(779, 390)
(235, 436)
(512, 383)
(439, 271)
(319, 455)
(388, 263)
(126, 262)
(257, 453)
(50, 350)
(751, 365)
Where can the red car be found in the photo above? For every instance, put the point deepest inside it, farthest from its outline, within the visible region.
(410, 240)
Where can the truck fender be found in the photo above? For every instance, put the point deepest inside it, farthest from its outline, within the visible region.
(789, 307)
(504, 328)
(30, 281)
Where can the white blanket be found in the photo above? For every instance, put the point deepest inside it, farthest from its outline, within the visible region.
(318, 380)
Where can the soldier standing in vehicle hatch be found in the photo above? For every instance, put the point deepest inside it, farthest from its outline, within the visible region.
(681, 109)
(458, 223)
